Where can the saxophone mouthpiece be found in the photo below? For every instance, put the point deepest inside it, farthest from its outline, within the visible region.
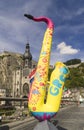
(28, 16)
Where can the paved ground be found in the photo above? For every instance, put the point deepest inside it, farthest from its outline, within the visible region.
(70, 119)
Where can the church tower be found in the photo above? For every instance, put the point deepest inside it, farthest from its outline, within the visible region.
(27, 57)
(21, 82)
(27, 67)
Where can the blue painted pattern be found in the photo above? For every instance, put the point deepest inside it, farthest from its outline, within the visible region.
(43, 115)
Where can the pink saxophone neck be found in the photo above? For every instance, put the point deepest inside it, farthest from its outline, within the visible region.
(39, 19)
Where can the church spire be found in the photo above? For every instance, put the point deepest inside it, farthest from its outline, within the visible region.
(27, 57)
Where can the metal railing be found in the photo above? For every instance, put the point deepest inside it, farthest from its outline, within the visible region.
(19, 103)
(13, 99)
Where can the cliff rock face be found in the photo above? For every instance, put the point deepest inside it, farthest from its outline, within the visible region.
(8, 63)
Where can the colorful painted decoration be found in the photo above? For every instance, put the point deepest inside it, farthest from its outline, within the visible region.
(39, 109)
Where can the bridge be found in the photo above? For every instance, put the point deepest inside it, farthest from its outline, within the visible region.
(70, 117)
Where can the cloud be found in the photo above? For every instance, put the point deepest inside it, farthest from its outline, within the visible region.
(37, 8)
(66, 49)
(80, 11)
(16, 30)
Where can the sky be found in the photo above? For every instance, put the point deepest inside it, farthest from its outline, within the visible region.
(68, 18)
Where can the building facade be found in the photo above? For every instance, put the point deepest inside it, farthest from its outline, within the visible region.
(21, 85)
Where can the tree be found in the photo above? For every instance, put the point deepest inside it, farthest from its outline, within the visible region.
(73, 62)
(76, 78)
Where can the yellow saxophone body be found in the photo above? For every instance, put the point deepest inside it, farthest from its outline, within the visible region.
(39, 109)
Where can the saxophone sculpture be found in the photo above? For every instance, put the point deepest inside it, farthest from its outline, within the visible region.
(39, 109)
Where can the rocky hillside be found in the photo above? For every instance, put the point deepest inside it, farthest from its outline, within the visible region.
(8, 62)
(12, 61)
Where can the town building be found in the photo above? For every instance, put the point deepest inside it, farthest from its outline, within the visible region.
(21, 84)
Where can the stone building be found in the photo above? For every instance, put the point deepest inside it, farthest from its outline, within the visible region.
(20, 75)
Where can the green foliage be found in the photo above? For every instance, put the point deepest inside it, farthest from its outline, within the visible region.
(76, 77)
(73, 62)
(7, 111)
(49, 74)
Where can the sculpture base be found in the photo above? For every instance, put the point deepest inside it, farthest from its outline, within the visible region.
(45, 125)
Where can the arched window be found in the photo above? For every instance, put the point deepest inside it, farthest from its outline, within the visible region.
(25, 89)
